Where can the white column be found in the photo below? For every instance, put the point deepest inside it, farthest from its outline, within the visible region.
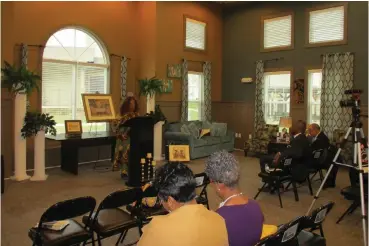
(39, 163)
(150, 105)
(19, 142)
(158, 141)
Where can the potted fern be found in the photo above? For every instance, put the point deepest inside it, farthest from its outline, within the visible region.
(20, 82)
(149, 88)
(37, 125)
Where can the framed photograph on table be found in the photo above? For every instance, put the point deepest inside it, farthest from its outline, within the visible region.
(98, 107)
(179, 153)
(73, 127)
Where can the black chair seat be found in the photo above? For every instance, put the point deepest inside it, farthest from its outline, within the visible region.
(71, 234)
(110, 220)
(306, 238)
(282, 176)
(144, 212)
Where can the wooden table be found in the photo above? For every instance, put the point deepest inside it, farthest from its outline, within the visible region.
(71, 145)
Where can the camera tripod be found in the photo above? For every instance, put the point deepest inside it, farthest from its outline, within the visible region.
(359, 138)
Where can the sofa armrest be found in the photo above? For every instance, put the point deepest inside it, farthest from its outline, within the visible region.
(179, 137)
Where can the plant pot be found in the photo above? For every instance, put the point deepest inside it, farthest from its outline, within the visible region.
(158, 141)
(150, 104)
(19, 142)
(39, 163)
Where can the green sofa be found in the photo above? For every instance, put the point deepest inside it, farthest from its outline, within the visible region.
(220, 137)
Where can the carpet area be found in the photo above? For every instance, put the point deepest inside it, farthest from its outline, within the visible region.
(23, 203)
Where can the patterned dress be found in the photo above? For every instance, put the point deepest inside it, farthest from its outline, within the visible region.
(122, 144)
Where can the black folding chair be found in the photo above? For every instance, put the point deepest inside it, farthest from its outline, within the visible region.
(74, 233)
(276, 178)
(110, 219)
(315, 220)
(286, 234)
(318, 159)
(143, 212)
(202, 181)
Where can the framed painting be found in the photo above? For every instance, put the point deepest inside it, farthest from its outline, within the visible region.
(73, 127)
(174, 71)
(179, 153)
(98, 107)
(298, 91)
(167, 86)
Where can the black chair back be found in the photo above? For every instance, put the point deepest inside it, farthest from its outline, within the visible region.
(121, 198)
(318, 215)
(286, 234)
(320, 156)
(202, 180)
(69, 209)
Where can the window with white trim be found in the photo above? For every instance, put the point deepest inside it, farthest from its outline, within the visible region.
(277, 32)
(195, 34)
(327, 25)
(74, 62)
(277, 90)
(314, 94)
(195, 95)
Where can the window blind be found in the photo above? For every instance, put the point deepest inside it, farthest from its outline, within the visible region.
(326, 25)
(277, 32)
(195, 34)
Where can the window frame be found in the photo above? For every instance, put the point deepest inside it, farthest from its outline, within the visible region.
(326, 43)
(201, 91)
(307, 105)
(107, 65)
(186, 48)
(281, 70)
(274, 16)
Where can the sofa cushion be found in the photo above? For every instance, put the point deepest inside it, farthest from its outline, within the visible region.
(206, 124)
(194, 129)
(199, 142)
(226, 139)
(218, 129)
(212, 140)
(174, 127)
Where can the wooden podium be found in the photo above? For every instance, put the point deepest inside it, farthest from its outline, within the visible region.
(142, 142)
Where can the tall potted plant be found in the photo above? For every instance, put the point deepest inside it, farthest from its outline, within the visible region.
(149, 88)
(20, 82)
(37, 125)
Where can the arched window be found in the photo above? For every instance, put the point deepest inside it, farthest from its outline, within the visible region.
(74, 62)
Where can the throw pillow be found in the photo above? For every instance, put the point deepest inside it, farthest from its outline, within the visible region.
(206, 125)
(184, 129)
(204, 132)
(219, 129)
(194, 130)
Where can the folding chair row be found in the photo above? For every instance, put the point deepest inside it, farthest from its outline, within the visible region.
(299, 231)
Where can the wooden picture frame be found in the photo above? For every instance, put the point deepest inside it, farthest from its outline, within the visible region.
(73, 127)
(98, 107)
(179, 153)
(174, 71)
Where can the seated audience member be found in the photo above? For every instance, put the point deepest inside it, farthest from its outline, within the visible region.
(299, 149)
(243, 216)
(187, 223)
(321, 141)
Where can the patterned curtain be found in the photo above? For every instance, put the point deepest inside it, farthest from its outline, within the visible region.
(123, 77)
(338, 76)
(184, 111)
(259, 96)
(206, 107)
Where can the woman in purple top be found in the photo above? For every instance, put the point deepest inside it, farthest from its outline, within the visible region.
(243, 217)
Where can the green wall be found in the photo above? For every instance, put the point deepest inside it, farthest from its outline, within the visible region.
(241, 46)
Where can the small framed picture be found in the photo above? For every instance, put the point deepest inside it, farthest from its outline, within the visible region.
(180, 153)
(98, 107)
(73, 127)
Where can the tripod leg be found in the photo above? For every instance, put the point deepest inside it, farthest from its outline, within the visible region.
(353, 205)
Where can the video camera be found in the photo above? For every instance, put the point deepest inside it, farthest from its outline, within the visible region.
(355, 98)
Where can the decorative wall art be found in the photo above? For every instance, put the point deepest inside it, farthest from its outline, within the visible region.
(98, 107)
(167, 86)
(174, 71)
(298, 91)
(179, 153)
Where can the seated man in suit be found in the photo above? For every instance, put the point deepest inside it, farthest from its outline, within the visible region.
(321, 141)
(299, 149)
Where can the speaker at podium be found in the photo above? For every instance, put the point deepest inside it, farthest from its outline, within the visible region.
(142, 142)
